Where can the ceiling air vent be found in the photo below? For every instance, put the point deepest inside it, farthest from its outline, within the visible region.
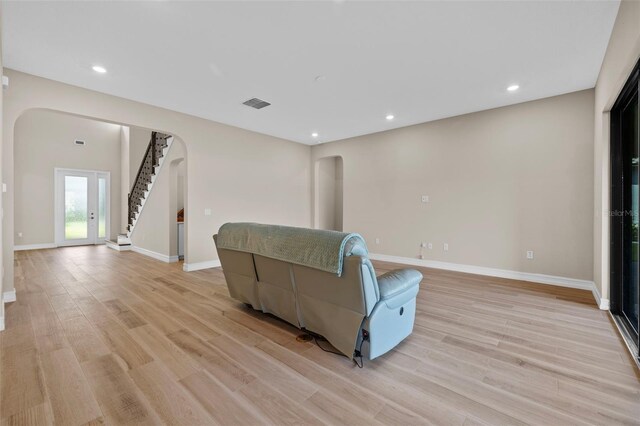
(256, 103)
(79, 142)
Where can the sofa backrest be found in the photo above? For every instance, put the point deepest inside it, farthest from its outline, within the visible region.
(319, 301)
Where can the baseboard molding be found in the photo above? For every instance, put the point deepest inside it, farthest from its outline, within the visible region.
(190, 267)
(35, 246)
(158, 256)
(603, 304)
(9, 296)
(500, 273)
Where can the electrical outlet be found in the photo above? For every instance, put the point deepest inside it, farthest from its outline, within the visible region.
(530, 254)
(430, 246)
(19, 234)
(378, 240)
(445, 247)
(420, 256)
(425, 198)
(423, 245)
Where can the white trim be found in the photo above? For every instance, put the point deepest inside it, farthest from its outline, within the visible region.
(93, 228)
(189, 267)
(603, 304)
(9, 296)
(1, 323)
(117, 247)
(158, 256)
(35, 246)
(491, 272)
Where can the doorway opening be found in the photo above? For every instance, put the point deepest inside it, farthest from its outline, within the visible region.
(625, 208)
(329, 182)
(82, 203)
(177, 205)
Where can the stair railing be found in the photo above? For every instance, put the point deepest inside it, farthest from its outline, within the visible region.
(145, 171)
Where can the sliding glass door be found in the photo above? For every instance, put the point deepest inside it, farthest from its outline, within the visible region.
(625, 156)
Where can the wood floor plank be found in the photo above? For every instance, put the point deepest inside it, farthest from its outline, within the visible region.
(230, 373)
(221, 404)
(38, 415)
(120, 400)
(22, 385)
(168, 399)
(83, 339)
(124, 346)
(162, 349)
(124, 315)
(276, 407)
(71, 398)
(104, 337)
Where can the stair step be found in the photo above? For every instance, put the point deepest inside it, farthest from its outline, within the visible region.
(119, 247)
(123, 239)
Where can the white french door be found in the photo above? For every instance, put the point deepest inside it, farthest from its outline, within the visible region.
(81, 207)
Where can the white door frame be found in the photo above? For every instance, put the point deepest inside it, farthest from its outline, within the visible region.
(92, 201)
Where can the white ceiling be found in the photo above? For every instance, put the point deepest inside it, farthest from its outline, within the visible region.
(420, 61)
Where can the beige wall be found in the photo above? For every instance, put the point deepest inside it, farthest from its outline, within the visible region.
(156, 227)
(138, 143)
(240, 175)
(500, 182)
(329, 188)
(125, 136)
(622, 54)
(44, 140)
(3, 250)
(326, 187)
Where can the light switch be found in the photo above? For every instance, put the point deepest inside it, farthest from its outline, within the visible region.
(4, 187)
(207, 212)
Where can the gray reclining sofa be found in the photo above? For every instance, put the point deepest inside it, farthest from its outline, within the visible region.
(320, 281)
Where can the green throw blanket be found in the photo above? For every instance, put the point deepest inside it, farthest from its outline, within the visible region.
(314, 248)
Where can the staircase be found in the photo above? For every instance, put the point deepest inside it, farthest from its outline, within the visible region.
(149, 168)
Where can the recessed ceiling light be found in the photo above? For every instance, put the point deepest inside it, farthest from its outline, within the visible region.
(513, 88)
(390, 117)
(314, 135)
(99, 69)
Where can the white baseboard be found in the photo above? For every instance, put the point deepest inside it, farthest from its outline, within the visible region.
(35, 246)
(189, 267)
(603, 304)
(158, 256)
(501, 273)
(9, 296)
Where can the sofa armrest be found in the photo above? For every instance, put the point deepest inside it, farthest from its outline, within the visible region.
(400, 281)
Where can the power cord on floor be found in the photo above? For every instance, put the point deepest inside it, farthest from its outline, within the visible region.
(358, 354)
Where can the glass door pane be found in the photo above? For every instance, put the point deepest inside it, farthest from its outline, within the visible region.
(631, 276)
(76, 218)
(102, 208)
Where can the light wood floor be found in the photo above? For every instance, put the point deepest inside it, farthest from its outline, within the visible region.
(101, 336)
